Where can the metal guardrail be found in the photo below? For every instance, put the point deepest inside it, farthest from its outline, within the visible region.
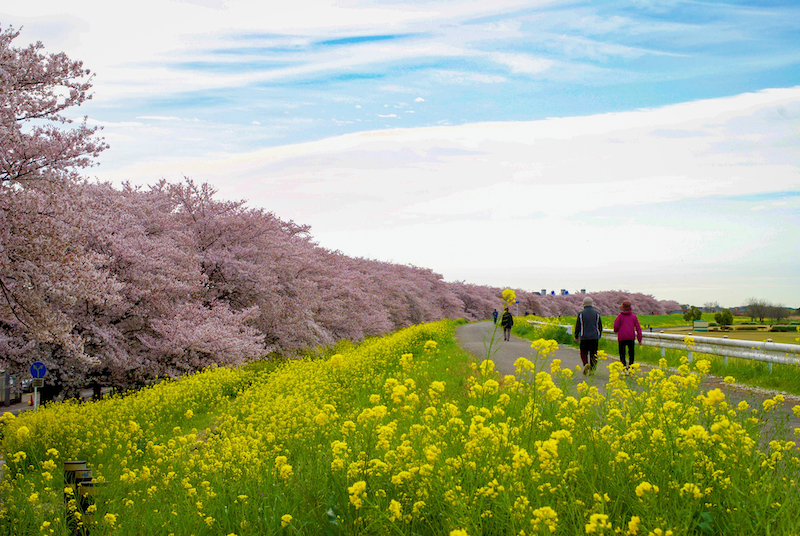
(768, 352)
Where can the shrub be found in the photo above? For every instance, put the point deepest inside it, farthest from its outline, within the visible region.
(552, 330)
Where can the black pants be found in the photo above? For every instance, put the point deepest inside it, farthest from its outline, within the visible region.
(589, 352)
(629, 346)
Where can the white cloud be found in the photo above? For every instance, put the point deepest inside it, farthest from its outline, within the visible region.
(460, 77)
(523, 63)
(114, 124)
(159, 117)
(419, 99)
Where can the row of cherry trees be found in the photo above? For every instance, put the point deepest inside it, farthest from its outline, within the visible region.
(116, 286)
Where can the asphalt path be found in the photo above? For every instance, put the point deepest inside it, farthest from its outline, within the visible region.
(484, 340)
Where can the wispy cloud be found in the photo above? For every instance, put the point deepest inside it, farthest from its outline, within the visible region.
(159, 117)
(523, 63)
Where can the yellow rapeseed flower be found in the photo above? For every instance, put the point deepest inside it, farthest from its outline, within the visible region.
(703, 366)
(396, 509)
(509, 297)
(633, 525)
(545, 516)
(713, 397)
(644, 488)
(597, 523)
(691, 489)
(357, 492)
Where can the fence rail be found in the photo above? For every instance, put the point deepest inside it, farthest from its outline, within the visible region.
(768, 352)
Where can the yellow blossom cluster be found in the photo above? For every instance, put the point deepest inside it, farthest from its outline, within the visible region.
(509, 297)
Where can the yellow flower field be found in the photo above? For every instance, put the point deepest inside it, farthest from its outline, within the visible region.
(403, 435)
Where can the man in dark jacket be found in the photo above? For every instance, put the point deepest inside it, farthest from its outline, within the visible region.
(588, 330)
(507, 321)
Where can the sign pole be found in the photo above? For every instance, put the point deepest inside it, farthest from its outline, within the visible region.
(38, 370)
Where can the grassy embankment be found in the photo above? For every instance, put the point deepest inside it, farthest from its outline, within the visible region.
(404, 435)
(755, 373)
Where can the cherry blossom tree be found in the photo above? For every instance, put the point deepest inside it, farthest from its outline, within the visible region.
(164, 323)
(44, 269)
(38, 141)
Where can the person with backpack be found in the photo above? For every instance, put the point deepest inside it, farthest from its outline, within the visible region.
(507, 321)
(588, 331)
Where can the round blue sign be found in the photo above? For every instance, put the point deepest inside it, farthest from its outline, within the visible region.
(38, 370)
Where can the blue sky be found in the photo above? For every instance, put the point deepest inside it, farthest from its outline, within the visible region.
(649, 146)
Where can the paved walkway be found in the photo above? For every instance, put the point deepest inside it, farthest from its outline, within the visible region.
(18, 406)
(25, 405)
(476, 338)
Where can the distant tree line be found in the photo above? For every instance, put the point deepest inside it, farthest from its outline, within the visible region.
(758, 309)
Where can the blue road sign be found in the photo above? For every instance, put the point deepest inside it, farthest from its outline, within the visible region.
(38, 370)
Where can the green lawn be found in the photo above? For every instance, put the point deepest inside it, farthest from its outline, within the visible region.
(786, 338)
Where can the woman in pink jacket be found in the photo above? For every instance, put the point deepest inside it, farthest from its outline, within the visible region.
(627, 328)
